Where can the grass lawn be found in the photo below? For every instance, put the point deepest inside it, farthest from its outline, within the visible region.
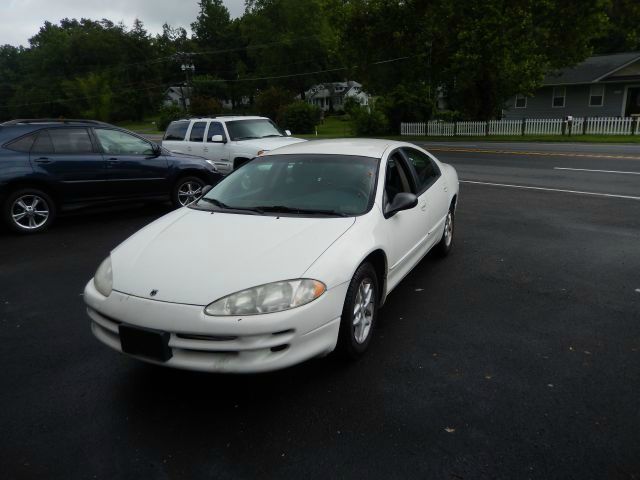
(144, 126)
(332, 127)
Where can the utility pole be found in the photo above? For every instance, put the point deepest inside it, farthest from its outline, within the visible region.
(187, 66)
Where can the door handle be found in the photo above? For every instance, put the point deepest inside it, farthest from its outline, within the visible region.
(112, 161)
(423, 206)
(43, 160)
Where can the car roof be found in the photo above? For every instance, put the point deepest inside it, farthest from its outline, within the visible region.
(226, 118)
(362, 147)
(53, 121)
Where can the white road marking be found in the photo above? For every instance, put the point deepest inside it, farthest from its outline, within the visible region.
(577, 192)
(598, 171)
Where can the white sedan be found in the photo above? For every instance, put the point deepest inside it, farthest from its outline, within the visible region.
(286, 259)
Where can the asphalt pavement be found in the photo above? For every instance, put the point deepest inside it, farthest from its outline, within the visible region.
(518, 356)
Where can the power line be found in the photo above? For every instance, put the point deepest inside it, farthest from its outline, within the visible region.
(252, 79)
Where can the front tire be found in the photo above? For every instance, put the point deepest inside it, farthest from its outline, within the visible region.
(359, 313)
(186, 191)
(29, 211)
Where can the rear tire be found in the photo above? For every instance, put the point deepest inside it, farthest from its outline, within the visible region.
(443, 247)
(359, 313)
(28, 211)
(186, 191)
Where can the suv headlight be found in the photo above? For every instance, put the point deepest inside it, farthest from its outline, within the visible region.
(269, 298)
(103, 279)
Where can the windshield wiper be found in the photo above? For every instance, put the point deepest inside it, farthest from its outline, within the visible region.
(245, 138)
(285, 209)
(271, 135)
(224, 206)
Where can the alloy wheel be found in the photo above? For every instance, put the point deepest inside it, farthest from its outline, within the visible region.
(30, 212)
(189, 192)
(363, 310)
(448, 229)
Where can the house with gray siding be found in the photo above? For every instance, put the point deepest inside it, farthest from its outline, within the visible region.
(601, 86)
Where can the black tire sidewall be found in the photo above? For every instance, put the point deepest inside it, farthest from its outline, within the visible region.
(347, 344)
(8, 202)
(181, 181)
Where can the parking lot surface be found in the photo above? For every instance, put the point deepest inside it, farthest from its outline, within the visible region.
(518, 356)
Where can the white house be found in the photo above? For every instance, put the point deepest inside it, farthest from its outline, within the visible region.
(331, 96)
(177, 95)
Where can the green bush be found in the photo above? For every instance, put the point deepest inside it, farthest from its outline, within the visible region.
(369, 122)
(202, 106)
(271, 101)
(167, 114)
(300, 117)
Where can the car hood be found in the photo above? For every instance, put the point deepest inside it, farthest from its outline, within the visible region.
(270, 143)
(196, 257)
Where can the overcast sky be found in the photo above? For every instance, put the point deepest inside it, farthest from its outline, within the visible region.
(21, 19)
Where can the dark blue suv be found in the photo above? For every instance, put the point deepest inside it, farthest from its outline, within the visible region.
(50, 165)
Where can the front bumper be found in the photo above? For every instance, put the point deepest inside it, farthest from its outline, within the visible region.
(201, 342)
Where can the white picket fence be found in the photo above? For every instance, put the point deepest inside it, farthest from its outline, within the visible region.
(529, 126)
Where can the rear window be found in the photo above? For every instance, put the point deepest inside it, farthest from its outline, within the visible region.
(197, 131)
(71, 140)
(22, 144)
(43, 143)
(176, 131)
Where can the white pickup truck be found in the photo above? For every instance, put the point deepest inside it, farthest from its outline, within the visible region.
(225, 141)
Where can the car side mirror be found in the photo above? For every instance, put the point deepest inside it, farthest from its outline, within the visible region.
(156, 149)
(206, 189)
(402, 201)
(217, 139)
(287, 133)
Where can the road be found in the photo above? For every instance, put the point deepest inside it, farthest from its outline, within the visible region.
(518, 356)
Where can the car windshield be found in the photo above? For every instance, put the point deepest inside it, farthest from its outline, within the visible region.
(248, 129)
(310, 184)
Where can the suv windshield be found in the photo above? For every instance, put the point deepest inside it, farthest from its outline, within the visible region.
(308, 184)
(248, 129)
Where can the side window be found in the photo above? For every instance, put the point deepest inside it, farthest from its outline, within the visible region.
(397, 178)
(22, 144)
(215, 128)
(426, 169)
(43, 143)
(176, 131)
(197, 132)
(71, 140)
(115, 142)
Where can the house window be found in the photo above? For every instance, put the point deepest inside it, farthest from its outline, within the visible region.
(559, 94)
(521, 101)
(596, 96)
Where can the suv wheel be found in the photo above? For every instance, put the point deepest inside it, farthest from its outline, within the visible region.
(187, 191)
(29, 210)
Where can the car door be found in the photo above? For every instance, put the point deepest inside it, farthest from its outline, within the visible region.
(195, 142)
(432, 195)
(406, 231)
(217, 151)
(69, 157)
(133, 167)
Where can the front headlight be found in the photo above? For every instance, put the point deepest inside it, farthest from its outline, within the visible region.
(212, 164)
(269, 298)
(103, 279)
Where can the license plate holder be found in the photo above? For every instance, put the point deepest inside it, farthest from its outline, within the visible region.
(145, 342)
